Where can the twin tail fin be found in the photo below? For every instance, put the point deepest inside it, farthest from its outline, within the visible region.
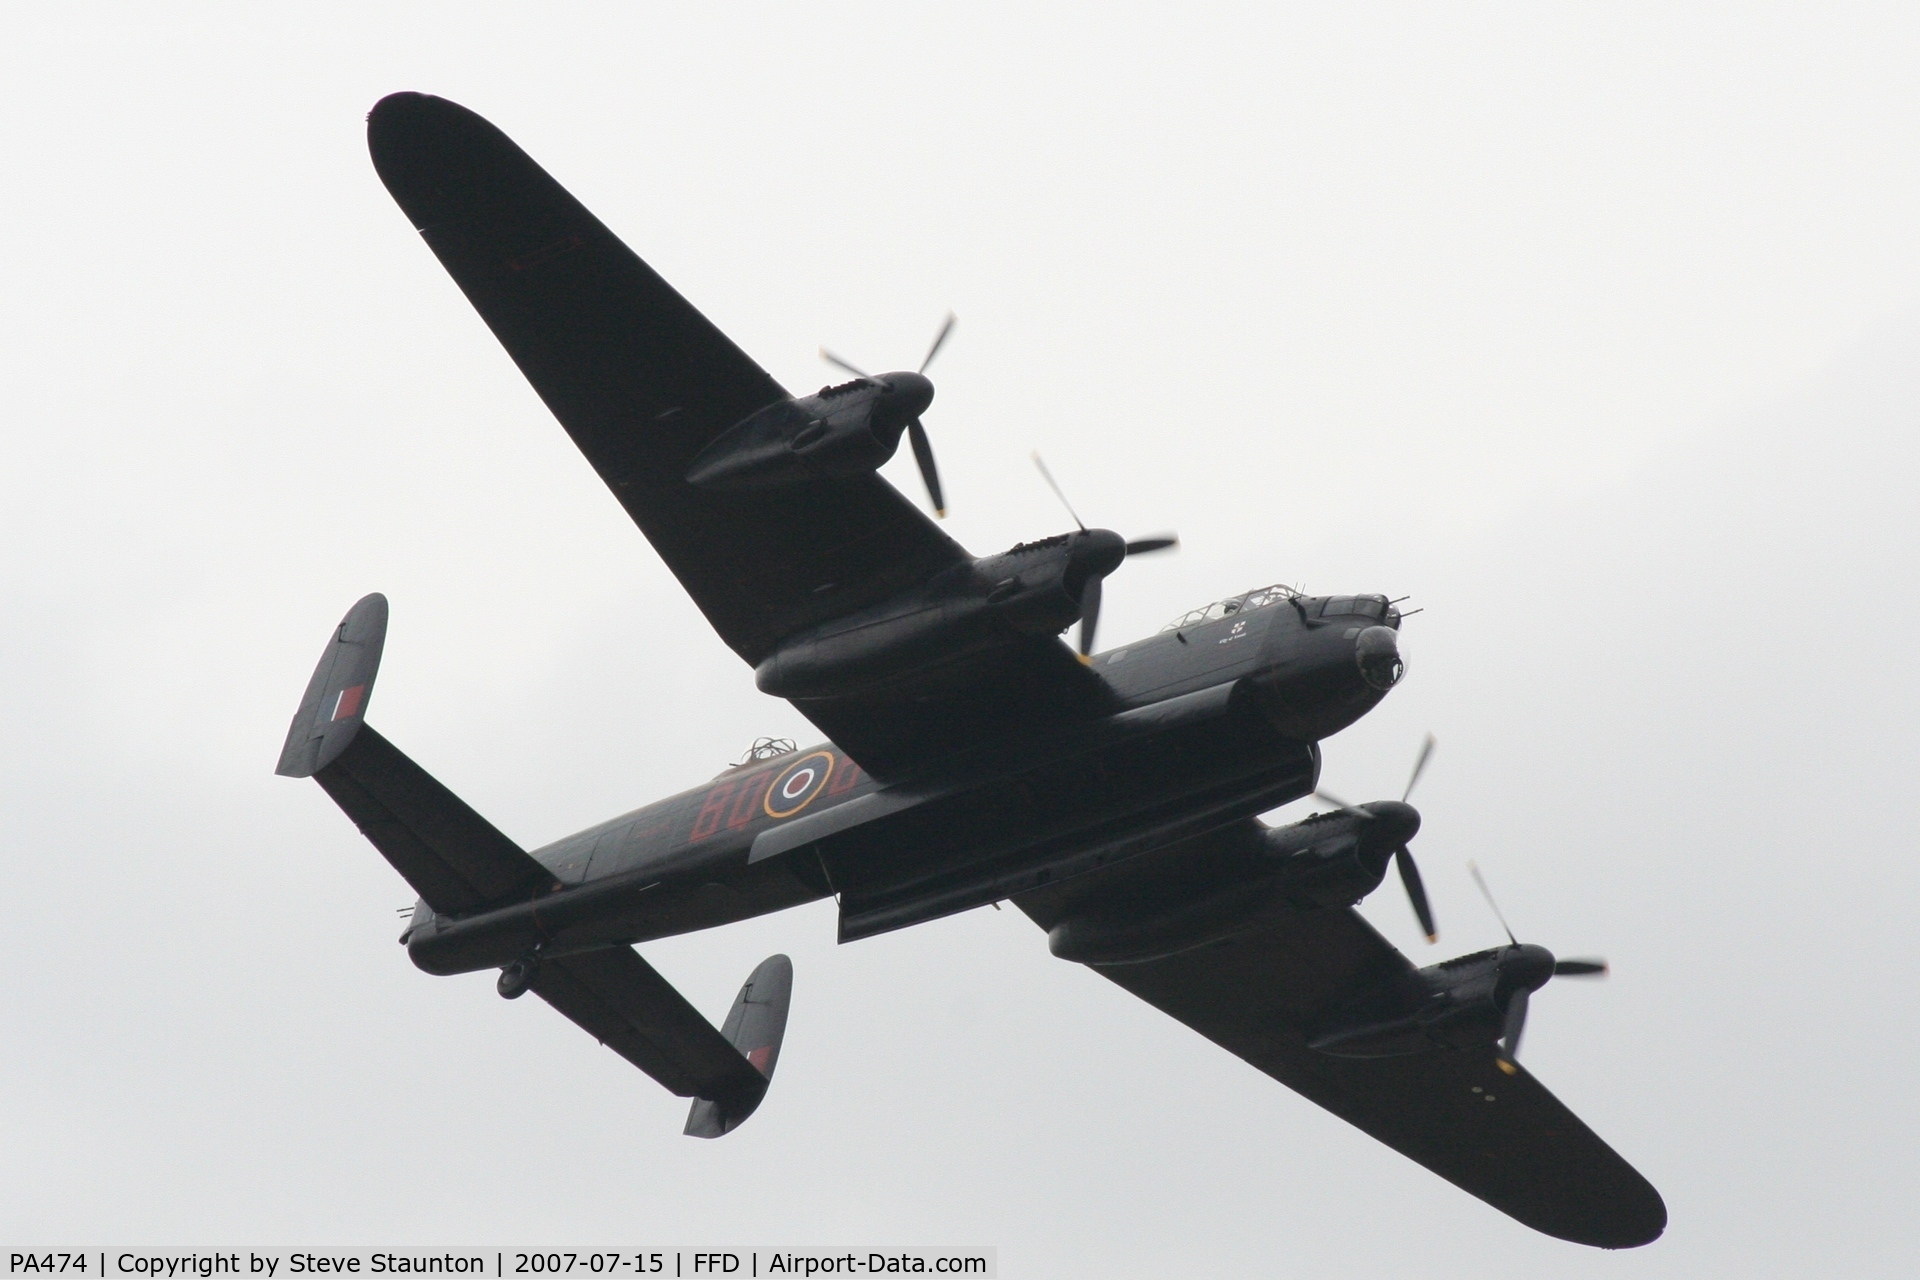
(459, 863)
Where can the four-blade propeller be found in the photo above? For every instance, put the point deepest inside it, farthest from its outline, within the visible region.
(916, 433)
(1524, 971)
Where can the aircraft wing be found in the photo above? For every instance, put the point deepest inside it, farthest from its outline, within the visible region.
(643, 382)
(1502, 1138)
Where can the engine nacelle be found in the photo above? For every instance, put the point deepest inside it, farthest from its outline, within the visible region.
(1329, 860)
(1031, 590)
(1336, 874)
(1165, 929)
(841, 431)
(1458, 1004)
(1336, 859)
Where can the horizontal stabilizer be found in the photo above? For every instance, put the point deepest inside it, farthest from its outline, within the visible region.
(755, 1026)
(335, 705)
(455, 859)
(623, 1002)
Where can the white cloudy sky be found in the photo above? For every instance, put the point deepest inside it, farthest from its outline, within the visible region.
(1596, 328)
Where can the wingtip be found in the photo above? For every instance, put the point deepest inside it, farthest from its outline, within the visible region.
(394, 100)
(430, 150)
(397, 106)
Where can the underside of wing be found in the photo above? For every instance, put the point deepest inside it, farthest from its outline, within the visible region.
(1502, 1137)
(643, 382)
(1024, 685)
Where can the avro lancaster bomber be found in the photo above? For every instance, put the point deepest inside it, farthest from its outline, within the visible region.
(972, 756)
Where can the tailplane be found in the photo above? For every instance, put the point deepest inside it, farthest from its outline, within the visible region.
(460, 864)
(455, 859)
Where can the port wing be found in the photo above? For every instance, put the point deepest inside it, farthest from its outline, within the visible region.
(642, 382)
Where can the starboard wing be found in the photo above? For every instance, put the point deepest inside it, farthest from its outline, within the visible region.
(1503, 1138)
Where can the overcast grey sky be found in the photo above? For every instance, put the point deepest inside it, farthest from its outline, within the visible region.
(1596, 328)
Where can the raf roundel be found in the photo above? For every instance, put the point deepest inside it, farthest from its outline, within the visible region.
(798, 784)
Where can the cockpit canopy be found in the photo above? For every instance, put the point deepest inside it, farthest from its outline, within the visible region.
(1259, 599)
(1372, 608)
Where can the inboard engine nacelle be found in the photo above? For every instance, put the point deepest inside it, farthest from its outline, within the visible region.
(1035, 589)
(1329, 860)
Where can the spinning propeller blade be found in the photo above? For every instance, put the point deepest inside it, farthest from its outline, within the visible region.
(923, 454)
(1580, 968)
(1089, 616)
(1416, 892)
(1419, 766)
(1328, 797)
(938, 339)
(853, 369)
(1508, 1059)
(1474, 869)
(1048, 477)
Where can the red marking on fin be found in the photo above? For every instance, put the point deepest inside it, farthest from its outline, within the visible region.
(759, 1058)
(348, 703)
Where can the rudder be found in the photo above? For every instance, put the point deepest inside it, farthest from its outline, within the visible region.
(755, 1027)
(335, 704)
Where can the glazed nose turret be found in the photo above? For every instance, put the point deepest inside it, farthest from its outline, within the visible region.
(1377, 652)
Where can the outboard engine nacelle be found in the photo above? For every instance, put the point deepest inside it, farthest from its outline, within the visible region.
(843, 430)
(1458, 1004)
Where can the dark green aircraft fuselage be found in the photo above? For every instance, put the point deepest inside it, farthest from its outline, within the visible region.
(1212, 720)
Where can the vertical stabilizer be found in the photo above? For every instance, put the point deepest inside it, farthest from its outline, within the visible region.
(335, 705)
(755, 1026)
